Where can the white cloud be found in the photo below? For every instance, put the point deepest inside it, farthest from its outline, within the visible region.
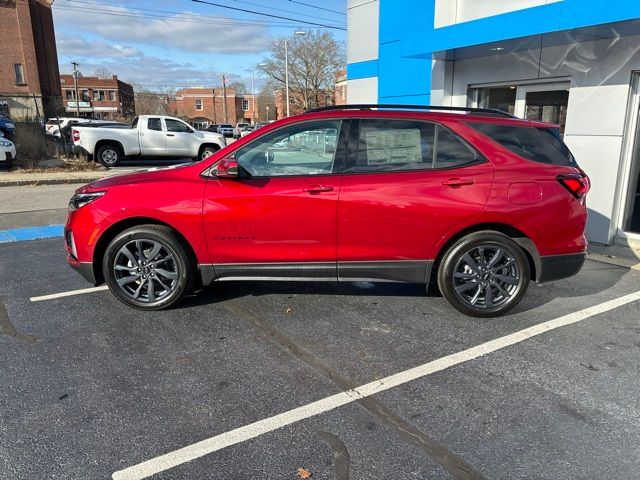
(185, 31)
(81, 47)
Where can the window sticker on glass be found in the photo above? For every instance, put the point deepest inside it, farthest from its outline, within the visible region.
(386, 146)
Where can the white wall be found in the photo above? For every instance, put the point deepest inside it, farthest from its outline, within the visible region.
(449, 12)
(362, 90)
(362, 30)
(600, 74)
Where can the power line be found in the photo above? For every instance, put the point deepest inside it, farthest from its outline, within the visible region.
(290, 11)
(268, 15)
(182, 14)
(319, 8)
(237, 23)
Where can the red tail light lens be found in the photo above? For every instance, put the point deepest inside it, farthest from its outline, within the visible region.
(76, 135)
(578, 184)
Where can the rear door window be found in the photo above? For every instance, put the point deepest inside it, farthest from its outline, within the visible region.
(403, 145)
(538, 144)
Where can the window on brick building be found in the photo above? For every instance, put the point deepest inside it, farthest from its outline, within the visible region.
(99, 96)
(112, 95)
(245, 105)
(84, 96)
(199, 104)
(71, 95)
(19, 69)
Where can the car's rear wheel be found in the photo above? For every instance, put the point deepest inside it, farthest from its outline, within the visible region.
(109, 155)
(147, 267)
(206, 152)
(484, 274)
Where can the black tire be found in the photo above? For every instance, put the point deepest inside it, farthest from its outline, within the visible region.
(206, 152)
(178, 262)
(109, 155)
(475, 287)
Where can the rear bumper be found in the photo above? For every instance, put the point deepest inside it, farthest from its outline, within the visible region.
(556, 267)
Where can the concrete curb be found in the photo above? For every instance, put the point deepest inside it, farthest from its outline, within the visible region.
(48, 181)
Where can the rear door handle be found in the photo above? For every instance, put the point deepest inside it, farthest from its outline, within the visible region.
(317, 189)
(458, 182)
(170, 135)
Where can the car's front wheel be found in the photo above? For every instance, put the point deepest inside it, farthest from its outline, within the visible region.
(484, 274)
(147, 267)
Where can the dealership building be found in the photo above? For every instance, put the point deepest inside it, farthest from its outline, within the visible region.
(571, 62)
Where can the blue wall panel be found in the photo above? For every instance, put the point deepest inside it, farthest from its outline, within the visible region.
(408, 37)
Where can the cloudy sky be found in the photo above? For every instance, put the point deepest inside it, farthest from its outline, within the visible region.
(160, 43)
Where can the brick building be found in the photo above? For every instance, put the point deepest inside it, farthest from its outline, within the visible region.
(297, 102)
(340, 97)
(29, 75)
(202, 107)
(99, 97)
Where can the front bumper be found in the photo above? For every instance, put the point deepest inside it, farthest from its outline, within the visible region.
(7, 154)
(556, 267)
(83, 268)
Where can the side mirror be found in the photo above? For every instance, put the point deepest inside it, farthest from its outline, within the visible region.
(226, 168)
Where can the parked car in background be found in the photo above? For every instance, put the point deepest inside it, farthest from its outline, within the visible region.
(7, 127)
(226, 130)
(148, 136)
(7, 151)
(238, 129)
(244, 131)
(213, 128)
(53, 125)
(474, 200)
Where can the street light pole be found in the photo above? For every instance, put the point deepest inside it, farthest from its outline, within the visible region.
(286, 68)
(253, 90)
(75, 86)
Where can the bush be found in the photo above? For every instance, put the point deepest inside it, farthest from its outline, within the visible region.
(33, 146)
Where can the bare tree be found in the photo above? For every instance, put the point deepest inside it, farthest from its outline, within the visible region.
(103, 73)
(239, 87)
(153, 102)
(266, 98)
(314, 59)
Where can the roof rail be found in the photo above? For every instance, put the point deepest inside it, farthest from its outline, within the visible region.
(371, 106)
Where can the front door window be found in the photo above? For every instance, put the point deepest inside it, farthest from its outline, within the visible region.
(307, 149)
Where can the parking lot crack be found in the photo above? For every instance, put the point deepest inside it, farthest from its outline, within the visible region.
(341, 459)
(7, 328)
(455, 465)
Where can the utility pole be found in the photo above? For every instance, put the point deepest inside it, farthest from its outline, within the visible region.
(224, 98)
(75, 86)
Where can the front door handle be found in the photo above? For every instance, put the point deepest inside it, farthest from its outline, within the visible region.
(170, 135)
(458, 182)
(317, 189)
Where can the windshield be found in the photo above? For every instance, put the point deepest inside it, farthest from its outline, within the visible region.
(226, 126)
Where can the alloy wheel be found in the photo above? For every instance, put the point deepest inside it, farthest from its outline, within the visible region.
(486, 276)
(109, 156)
(146, 270)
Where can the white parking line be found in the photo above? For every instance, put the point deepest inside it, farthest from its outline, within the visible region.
(242, 434)
(70, 293)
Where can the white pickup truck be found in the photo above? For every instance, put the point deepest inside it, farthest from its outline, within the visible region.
(149, 136)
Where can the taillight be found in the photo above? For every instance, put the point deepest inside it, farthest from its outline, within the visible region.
(76, 135)
(578, 184)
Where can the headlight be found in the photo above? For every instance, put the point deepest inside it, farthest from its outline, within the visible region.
(5, 143)
(81, 199)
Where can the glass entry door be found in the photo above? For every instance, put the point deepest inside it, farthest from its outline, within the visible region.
(633, 201)
(544, 102)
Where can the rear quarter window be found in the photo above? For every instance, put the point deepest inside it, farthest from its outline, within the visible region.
(543, 145)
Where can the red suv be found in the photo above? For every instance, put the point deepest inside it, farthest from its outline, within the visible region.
(475, 200)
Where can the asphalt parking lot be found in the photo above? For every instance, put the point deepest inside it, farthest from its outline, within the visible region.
(256, 372)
